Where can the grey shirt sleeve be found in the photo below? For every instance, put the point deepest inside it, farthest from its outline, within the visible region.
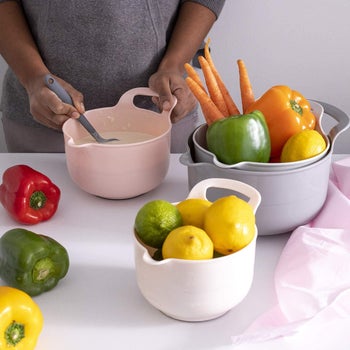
(214, 5)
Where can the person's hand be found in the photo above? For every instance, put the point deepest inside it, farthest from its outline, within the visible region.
(169, 84)
(47, 108)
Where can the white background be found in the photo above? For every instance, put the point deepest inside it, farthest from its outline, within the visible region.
(304, 44)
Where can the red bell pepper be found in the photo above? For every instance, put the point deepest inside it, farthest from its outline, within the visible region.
(28, 195)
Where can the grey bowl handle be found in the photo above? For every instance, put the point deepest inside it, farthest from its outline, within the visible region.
(340, 116)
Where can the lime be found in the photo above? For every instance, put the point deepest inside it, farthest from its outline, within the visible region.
(188, 242)
(193, 210)
(230, 223)
(155, 220)
(303, 145)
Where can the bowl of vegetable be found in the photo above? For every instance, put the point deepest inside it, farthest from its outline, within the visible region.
(135, 164)
(202, 154)
(290, 197)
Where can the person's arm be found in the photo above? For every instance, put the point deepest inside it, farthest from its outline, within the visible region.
(17, 45)
(20, 52)
(193, 24)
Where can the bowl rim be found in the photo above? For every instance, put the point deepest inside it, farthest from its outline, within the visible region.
(126, 100)
(70, 141)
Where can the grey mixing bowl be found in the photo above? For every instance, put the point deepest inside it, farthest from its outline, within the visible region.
(290, 198)
(202, 154)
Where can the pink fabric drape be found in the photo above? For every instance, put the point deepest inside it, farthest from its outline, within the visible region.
(312, 277)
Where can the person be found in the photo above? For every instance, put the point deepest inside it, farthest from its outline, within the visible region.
(97, 50)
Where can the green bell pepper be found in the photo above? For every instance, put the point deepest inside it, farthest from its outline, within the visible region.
(240, 138)
(31, 262)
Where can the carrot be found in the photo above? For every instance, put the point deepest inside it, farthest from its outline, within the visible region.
(247, 94)
(213, 87)
(210, 111)
(191, 72)
(207, 54)
(230, 104)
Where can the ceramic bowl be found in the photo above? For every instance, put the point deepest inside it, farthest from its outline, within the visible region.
(119, 171)
(198, 290)
(202, 154)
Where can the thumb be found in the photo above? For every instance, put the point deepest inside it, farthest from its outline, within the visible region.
(166, 101)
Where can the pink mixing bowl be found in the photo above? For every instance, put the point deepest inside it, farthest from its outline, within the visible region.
(119, 171)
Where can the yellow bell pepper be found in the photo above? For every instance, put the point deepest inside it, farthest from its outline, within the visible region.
(21, 320)
(286, 112)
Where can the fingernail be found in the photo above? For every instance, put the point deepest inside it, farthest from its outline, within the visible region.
(166, 106)
(75, 115)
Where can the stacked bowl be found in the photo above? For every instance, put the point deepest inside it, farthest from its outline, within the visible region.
(292, 193)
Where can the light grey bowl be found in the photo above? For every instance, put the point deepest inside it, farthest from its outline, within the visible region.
(202, 153)
(290, 198)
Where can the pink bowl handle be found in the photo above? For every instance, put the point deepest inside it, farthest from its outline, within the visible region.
(128, 98)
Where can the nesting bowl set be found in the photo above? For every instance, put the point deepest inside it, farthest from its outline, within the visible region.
(292, 193)
(283, 196)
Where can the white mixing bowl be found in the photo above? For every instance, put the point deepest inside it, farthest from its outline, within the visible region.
(198, 290)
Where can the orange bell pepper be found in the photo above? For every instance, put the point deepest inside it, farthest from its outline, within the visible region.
(286, 112)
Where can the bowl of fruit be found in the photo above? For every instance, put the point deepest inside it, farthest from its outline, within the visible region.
(194, 259)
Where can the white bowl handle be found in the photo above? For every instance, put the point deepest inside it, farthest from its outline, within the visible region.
(200, 189)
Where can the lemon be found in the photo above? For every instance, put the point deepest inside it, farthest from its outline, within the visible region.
(192, 211)
(303, 145)
(188, 242)
(230, 223)
(155, 220)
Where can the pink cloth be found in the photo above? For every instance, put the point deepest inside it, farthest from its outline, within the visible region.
(312, 277)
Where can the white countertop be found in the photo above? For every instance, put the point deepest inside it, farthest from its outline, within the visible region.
(98, 304)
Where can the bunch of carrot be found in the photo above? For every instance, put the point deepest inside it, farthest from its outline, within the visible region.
(215, 100)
